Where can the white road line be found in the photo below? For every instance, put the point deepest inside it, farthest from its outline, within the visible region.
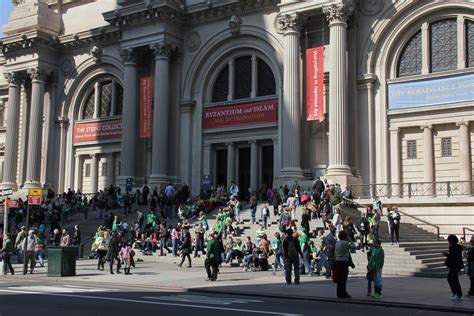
(56, 289)
(199, 299)
(116, 299)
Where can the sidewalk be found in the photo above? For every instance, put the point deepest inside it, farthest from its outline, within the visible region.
(425, 293)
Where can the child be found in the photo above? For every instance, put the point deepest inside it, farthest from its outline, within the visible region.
(125, 254)
(376, 262)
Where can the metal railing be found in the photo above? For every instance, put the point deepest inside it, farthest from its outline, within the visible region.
(414, 189)
(464, 231)
(405, 214)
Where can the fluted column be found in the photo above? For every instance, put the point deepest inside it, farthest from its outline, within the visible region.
(465, 169)
(186, 109)
(94, 173)
(253, 165)
(289, 25)
(159, 162)
(110, 169)
(12, 126)
(33, 165)
(230, 163)
(78, 162)
(394, 163)
(129, 115)
(337, 15)
(428, 157)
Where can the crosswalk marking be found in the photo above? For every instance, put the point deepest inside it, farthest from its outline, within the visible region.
(58, 289)
(198, 299)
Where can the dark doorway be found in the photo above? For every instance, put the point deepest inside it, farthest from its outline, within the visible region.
(221, 167)
(244, 172)
(267, 165)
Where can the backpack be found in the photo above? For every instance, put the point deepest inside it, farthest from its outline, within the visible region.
(292, 253)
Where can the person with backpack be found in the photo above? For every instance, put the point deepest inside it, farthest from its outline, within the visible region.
(377, 258)
(277, 247)
(455, 264)
(291, 253)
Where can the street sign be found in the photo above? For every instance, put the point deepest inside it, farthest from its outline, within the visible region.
(12, 204)
(34, 200)
(36, 192)
(206, 182)
(6, 192)
(128, 185)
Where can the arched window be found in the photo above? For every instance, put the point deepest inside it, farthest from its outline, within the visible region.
(470, 43)
(410, 59)
(252, 77)
(105, 99)
(443, 44)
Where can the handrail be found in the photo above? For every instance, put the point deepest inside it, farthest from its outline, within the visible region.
(405, 214)
(464, 231)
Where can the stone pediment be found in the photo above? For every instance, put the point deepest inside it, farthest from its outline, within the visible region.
(31, 15)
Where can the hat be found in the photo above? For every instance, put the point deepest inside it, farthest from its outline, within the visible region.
(332, 229)
(303, 229)
(289, 231)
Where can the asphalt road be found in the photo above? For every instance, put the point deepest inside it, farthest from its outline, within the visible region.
(43, 298)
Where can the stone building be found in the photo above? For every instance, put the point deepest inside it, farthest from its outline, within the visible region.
(229, 94)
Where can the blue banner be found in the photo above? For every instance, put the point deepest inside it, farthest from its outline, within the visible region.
(443, 90)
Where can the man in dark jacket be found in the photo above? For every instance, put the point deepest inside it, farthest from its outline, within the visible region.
(113, 252)
(275, 201)
(291, 254)
(318, 186)
(213, 252)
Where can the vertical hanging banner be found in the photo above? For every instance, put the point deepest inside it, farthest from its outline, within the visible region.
(146, 99)
(315, 84)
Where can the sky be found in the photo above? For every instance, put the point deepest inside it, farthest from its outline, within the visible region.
(6, 8)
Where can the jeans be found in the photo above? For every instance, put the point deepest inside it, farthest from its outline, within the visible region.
(378, 279)
(323, 262)
(252, 216)
(342, 268)
(292, 264)
(6, 262)
(39, 253)
(453, 280)
(265, 221)
(30, 257)
(126, 210)
(99, 214)
(198, 246)
(174, 247)
(374, 230)
(214, 264)
(394, 232)
(277, 263)
(307, 262)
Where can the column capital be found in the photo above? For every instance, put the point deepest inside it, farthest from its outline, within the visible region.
(395, 129)
(187, 106)
(38, 74)
(252, 141)
(462, 123)
(338, 12)
(162, 50)
(289, 23)
(229, 144)
(129, 56)
(425, 126)
(13, 78)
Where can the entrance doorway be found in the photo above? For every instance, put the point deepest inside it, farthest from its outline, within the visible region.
(267, 165)
(221, 167)
(244, 172)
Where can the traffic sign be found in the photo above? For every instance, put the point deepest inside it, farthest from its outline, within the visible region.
(36, 192)
(6, 192)
(34, 200)
(12, 204)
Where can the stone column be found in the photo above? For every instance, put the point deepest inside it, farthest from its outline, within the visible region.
(129, 114)
(11, 136)
(186, 109)
(428, 158)
(394, 162)
(78, 162)
(289, 25)
(94, 173)
(230, 163)
(276, 158)
(253, 165)
(337, 15)
(159, 162)
(33, 165)
(63, 128)
(97, 94)
(111, 169)
(465, 171)
(47, 166)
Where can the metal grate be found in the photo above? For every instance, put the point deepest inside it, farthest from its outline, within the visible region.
(243, 77)
(265, 79)
(470, 43)
(89, 108)
(443, 45)
(410, 59)
(220, 90)
(411, 149)
(106, 99)
(446, 148)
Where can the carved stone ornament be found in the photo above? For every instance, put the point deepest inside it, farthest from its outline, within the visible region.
(338, 12)
(128, 55)
(162, 49)
(12, 78)
(288, 22)
(66, 67)
(370, 7)
(193, 41)
(37, 74)
(234, 24)
(96, 53)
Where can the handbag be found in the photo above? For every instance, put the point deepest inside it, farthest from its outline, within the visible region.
(370, 276)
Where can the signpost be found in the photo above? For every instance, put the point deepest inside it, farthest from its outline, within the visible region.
(128, 185)
(34, 198)
(5, 192)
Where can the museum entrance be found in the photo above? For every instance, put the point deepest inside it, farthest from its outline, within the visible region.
(221, 168)
(243, 172)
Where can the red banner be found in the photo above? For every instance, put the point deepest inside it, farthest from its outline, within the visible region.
(34, 200)
(242, 114)
(146, 99)
(86, 132)
(12, 204)
(314, 83)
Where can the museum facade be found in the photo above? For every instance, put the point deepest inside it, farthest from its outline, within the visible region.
(97, 92)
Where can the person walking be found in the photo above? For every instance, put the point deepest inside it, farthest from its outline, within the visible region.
(113, 253)
(102, 246)
(126, 253)
(455, 264)
(7, 251)
(306, 251)
(186, 249)
(30, 251)
(40, 248)
(213, 253)
(377, 258)
(277, 247)
(291, 254)
(342, 253)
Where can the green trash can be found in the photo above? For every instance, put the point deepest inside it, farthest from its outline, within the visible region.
(62, 261)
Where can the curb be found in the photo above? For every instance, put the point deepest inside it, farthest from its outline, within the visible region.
(339, 301)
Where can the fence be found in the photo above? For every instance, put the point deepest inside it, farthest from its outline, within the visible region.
(413, 190)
